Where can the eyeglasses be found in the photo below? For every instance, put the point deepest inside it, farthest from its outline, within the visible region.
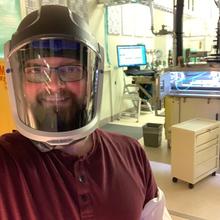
(40, 74)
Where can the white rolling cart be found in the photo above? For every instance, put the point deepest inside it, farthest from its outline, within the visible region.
(194, 150)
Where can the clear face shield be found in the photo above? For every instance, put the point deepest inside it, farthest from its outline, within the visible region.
(55, 84)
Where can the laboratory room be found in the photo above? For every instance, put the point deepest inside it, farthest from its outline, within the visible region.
(160, 87)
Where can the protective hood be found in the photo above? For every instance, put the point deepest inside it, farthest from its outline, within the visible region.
(54, 70)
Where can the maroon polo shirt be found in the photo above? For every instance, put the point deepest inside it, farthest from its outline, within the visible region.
(113, 182)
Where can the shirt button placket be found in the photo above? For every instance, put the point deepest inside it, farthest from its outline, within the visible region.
(84, 197)
(83, 192)
(81, 179)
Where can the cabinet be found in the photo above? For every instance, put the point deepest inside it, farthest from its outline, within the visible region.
(172, 114)
(180, 108)
(194, 149)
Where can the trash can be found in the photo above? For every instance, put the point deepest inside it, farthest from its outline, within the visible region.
(152, 133)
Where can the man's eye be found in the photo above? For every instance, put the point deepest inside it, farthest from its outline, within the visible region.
(71, 69)
(33, 70)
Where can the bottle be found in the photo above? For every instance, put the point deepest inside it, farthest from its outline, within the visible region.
(170, 58)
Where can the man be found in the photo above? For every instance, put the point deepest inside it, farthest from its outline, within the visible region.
(58, 165)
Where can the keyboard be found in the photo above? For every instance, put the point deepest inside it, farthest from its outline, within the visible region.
(139, 72)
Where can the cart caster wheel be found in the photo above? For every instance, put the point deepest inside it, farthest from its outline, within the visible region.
(191, 185)
(174, 179)
(214, 173)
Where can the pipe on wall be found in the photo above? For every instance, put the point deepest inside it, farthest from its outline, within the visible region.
(178, 29)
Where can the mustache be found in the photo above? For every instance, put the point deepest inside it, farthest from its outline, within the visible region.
(60, 95)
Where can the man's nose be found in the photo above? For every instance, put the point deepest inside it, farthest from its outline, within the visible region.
(54, 82)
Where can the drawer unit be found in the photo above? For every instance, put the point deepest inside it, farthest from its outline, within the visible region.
(208, 134)
(206, 154)
(205, 167)
(194, 149)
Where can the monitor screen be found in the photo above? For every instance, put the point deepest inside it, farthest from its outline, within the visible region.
(131, 55)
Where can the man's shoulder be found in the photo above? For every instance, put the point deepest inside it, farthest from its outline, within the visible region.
(11, 137)
(115, 136)
(13, 141)
(15, 149)
(119, 141)
(123, 149)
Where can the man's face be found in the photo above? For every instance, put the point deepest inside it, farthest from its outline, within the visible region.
(54, 88)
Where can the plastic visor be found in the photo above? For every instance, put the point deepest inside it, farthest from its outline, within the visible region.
(55, 84)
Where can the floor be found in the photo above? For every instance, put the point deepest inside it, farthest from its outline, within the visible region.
(200, 203)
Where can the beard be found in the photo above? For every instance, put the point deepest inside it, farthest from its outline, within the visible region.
(58, 111)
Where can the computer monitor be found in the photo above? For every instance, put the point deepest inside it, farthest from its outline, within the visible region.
(131, 56)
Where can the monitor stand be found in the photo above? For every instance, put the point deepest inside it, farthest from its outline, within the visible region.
(133, 68)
